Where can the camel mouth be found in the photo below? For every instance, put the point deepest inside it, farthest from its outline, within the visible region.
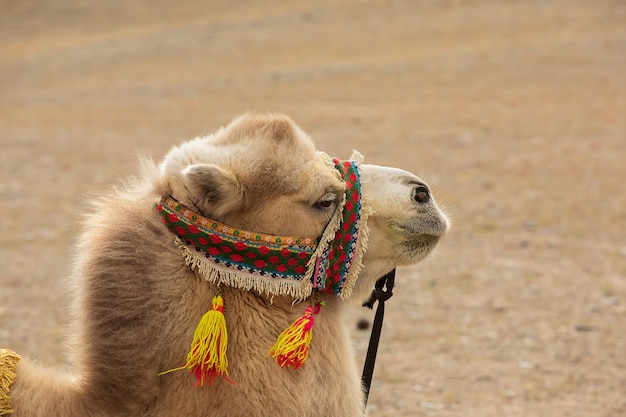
(418, 239)
(418, 246)
(423, 231)
(425, 241)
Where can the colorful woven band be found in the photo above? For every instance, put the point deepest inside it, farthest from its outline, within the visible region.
(332, 268)
(277, 265)
(240, 250)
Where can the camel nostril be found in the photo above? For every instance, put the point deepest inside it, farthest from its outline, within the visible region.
(421, 195)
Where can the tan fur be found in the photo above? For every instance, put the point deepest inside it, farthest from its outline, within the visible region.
(137, 303)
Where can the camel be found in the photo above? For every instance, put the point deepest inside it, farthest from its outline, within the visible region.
(141, 287)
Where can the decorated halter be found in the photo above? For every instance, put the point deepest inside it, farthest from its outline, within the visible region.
(274, 265)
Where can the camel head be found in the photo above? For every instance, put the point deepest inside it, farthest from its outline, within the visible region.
(262, 173)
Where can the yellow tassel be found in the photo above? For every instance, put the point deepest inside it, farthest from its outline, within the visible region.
(292, 347)
(8, 363)
(207, 354)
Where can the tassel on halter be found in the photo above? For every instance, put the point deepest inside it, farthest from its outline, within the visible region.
(295, 266)
(292, 346)
(8, 362)
(207, 354)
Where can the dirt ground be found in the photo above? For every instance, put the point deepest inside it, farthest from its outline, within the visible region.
(515, 111)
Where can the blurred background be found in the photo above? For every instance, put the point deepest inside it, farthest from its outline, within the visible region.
(514, 111)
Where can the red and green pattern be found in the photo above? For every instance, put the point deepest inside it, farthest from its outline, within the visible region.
(333, 266)
(267, 255)
(279, 257)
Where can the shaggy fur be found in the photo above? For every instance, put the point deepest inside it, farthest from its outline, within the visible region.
(137, 303)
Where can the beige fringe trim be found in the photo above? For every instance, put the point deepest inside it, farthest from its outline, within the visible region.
(333, 226)
(363, 239)
(8, 363)
(361, 248)
(217, 274)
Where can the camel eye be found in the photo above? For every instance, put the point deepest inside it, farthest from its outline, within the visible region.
(327, 201)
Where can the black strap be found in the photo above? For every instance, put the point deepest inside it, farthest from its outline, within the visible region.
(381, 295)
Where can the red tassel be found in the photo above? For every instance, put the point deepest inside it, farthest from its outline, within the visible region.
(292, 347)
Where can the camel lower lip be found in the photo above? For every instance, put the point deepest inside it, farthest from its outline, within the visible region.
(429, 234)
(424, 239)
(420, 243)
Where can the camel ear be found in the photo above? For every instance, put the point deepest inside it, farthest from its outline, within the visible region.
(211, 185)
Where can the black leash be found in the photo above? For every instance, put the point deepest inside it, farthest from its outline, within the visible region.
(381, 295)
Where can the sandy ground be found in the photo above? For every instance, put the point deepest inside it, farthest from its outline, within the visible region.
(515, 111)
